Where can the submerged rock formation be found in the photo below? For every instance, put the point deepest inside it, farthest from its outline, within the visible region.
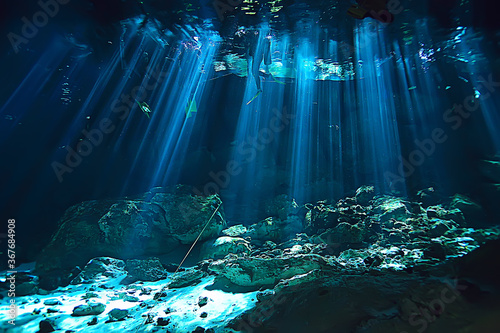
(151, 224)
(363, 264)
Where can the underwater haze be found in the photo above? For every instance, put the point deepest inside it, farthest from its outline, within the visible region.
(249, 166)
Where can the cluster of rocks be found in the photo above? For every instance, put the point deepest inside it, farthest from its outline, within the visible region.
(371, 239)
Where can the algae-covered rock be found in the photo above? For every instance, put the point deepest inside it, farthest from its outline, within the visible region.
(343, 233)
(117, 314)
(222, 246)
(259, 272)
(89, 309)
(149, 269)
(100, 269)
(365, 194)
(151, 224)
(391, 208)
(186, 278)
(321, 216)
(268, 229)
(235, 230)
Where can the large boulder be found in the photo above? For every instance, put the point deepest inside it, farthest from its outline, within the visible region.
(152, 224)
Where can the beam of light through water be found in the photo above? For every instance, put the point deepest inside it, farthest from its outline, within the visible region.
(380, 145)
(257, 136)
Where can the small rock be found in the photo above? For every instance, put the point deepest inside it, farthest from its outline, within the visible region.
(89, 295)
(93, 309)
(396, 237)
(203, 315)
(45, 326)
(52, 310)
(438, 229)
(52, 302)
(93, 321)
(199, 329)
(202, 301)
(162, 321)
(117, 314)
(129, 298)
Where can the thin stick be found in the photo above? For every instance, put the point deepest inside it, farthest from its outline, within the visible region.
(197, 238)
(187, 254)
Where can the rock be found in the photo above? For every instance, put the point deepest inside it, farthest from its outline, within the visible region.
(100, 269)
(235, 230)
(472, 211)
(203, 315)
(187, 214)
(224, 245)
(89, 295)
(268, 229)
(93, 321)
(439, 228)
(435, 250)
(117, 314)
(46, 325)
(129, 298)
(199, 329)
(27, 288)
(364, 195)
(162, 321)
(428, 197)
(155, 223)
(269, 245)
(89, 309)
(396, 237)
(441, 213)
(321, 216)
(149, 269)
(391, 208)
(26, 284)
(202, 301)
(186, 278)
(256, 272)
(343, 233)
(490, 169)
(51, 302)
(282, 206)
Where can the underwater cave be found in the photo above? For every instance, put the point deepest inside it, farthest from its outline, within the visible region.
(267, 166)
